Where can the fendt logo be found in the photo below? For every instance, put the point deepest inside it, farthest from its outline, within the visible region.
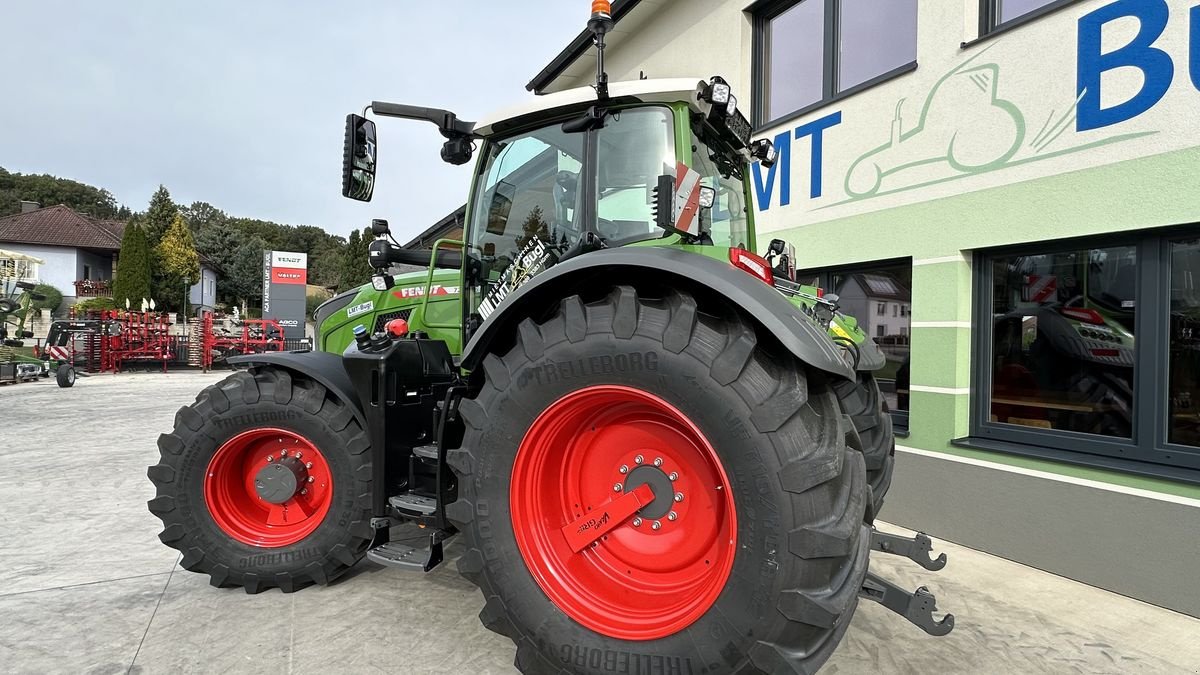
(289, 259)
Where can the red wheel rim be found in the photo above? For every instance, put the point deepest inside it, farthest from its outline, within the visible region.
(637, 582)
(235, 504)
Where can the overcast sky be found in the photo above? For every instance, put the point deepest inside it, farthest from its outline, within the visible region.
(242, 104)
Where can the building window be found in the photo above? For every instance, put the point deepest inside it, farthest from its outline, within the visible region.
(1092, 349)
(858, 289)
(1183, 384)
(995, 14)
(810, 51)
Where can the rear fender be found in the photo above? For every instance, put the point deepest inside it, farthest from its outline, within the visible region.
(699, 274)
(321, 367)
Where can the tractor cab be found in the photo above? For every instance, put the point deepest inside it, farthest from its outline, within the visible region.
(656, 162)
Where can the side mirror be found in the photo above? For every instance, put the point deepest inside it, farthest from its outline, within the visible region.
(358, 159)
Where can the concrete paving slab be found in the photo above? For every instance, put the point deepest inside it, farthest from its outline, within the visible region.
(74, 478)
(1010, 618)
(94, 628)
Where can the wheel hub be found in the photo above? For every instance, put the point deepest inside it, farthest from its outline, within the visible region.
(662, 486)
(268, 487)
(277, 482)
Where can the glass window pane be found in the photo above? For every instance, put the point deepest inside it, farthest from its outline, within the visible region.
(635, 148)
(865, 295)
(875, 37)
(1011, 9)
(1063, 344)
(1184, 379)
(794, 68)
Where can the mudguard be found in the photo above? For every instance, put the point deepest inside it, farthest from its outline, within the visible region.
(870, 356)
(322, 367)
(682, 269)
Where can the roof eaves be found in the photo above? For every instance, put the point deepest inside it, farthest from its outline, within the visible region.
(574, 50)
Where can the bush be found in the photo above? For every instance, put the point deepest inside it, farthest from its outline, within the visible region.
(95, 305)
(53, 299)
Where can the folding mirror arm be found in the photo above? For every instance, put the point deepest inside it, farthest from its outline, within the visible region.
(446, 121)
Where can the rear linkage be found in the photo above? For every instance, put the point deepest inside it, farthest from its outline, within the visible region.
(918, 606)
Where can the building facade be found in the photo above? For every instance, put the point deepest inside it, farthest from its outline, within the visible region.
(1006, 192)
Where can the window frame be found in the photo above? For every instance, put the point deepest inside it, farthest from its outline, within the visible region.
(1147, 451)
(989, 16)
(762, 13)
(824, 279)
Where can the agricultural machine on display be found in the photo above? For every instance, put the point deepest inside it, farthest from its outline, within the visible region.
(661, 452)
(16, 298)
(111, 340)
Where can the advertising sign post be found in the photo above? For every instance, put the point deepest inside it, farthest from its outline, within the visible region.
(285, 276)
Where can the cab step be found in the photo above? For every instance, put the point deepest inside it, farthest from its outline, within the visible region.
(413, 506)
(426, 451)
(403, 556)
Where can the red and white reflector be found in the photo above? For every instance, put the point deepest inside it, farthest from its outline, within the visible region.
(687, 199)
(1083, 314)
(753, 264)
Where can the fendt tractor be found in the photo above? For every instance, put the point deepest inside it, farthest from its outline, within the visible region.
(660, 452)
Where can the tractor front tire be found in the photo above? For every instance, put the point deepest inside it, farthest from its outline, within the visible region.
(750, 556)
(862, 401)
(64, 375)
(265, 482)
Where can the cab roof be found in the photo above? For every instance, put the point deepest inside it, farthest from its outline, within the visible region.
(667, 90)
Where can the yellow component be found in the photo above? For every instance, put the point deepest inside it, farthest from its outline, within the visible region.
(840, 332)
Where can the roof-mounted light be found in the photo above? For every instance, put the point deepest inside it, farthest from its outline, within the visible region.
(764, 151)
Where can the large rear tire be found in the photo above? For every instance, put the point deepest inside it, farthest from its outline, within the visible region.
(265, 482)
(761, 567)
(864, 404)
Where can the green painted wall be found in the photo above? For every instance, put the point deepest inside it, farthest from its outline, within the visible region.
(1156, 191)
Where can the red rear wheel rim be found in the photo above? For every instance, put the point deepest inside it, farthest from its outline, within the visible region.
(636, 582)
(237, 508)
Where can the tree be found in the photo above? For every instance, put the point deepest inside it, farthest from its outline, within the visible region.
(245, 271)
(180, 264)
(50, 190)
(202, 215)
(326, 266)
(159, 216)
(356, 266)
(133, 267)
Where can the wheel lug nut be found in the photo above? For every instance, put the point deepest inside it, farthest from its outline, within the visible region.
(270, 458)
(656, 525)
(304, 491)
(308, 465)
(637, 522)
(283, 453)
(638, 459)
(624, 468)
(617, 487)
(310, 479)
(672, 515)
(658, 461)
(678, 496)
(298, 453)
(673, 475)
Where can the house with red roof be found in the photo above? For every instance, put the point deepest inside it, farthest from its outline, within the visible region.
(80, 253)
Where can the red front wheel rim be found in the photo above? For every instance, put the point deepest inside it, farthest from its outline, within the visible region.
(234, 495)
(656, 572)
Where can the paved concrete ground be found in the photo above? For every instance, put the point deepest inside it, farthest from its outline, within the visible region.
(85, 586)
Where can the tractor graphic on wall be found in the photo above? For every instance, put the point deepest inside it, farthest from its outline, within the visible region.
(965, 127)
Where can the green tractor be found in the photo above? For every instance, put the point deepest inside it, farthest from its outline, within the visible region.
(658, 450)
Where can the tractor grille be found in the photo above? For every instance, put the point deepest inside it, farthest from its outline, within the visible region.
(382, 319)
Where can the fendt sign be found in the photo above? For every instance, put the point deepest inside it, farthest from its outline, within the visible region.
(285, 279)
(998, 113)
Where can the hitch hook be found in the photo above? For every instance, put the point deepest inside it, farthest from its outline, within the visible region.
(917, 548)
